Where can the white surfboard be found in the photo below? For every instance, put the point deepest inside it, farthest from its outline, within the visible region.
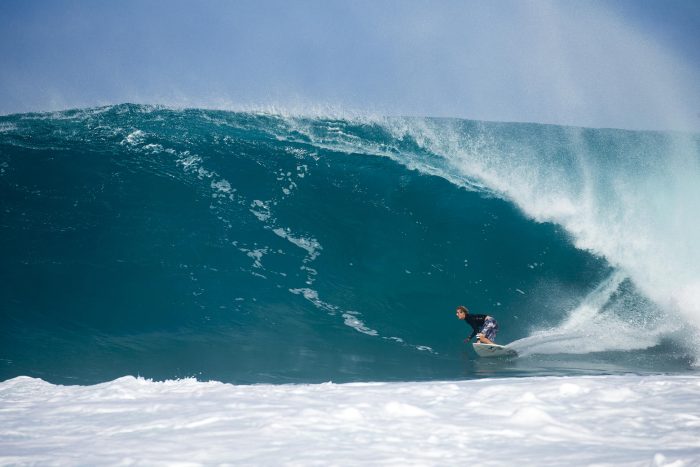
(493, 350)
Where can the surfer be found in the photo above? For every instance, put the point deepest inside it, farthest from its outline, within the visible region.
(484, 326)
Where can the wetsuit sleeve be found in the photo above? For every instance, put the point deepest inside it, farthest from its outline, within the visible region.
(476, 322)
(470, 322)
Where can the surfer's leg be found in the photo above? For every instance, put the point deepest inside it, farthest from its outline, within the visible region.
(483, 339)
(488, 332)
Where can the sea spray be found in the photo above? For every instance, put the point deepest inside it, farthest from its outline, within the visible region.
(627, 196)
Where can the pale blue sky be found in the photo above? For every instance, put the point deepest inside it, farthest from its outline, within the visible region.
(620, 63)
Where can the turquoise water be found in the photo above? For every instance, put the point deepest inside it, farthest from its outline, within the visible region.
(256, 248)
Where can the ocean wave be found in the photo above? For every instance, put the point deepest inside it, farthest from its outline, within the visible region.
(220, 231)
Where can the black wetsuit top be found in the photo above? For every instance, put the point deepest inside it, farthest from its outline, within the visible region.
(476, 322)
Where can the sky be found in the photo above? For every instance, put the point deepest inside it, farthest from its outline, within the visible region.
(617, 63)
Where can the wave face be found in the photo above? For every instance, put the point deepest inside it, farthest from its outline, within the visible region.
(252, 247)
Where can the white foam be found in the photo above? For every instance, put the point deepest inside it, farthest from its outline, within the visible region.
(261, 210)
(350, 318)
(189, 161)
(596, 325)
(312, 296)
(618, 420)
(7, 127)
(311, 245)
(135, 137)
(221, 186)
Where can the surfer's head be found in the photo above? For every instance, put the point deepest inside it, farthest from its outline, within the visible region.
(462, 312)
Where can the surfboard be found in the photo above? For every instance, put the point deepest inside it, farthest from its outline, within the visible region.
(493, 350)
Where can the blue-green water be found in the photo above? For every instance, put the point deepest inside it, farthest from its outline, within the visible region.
(250, 248)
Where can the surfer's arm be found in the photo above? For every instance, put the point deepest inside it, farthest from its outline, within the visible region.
(470, 337)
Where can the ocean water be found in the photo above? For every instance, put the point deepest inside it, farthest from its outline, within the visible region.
(251, 247)
(195, 287)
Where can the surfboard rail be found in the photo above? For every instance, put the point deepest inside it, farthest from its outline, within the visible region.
(493, 350)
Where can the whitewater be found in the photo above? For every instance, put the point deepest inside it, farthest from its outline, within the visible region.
(615, 420)
(196, 287)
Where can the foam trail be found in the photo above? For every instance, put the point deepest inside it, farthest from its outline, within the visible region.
(596, 325)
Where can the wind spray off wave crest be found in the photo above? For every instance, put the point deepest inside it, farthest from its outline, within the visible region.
(631, 197)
